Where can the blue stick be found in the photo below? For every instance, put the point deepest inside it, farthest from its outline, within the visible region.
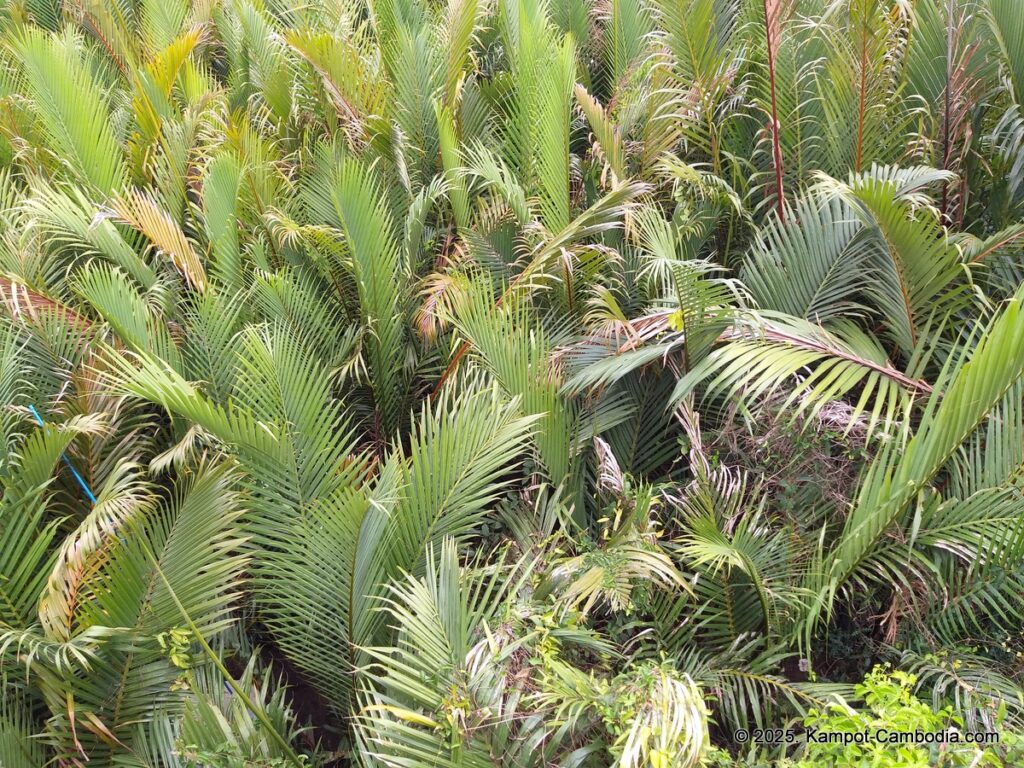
(78, 477)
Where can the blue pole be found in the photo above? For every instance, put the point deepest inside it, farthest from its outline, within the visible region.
(74, 472)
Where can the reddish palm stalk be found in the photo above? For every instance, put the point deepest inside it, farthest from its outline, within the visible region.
(959, 96)
(771, 32)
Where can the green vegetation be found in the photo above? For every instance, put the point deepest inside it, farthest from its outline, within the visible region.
(528, 383)
(892, 710)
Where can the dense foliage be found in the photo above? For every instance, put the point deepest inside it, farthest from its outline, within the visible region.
(509, 382)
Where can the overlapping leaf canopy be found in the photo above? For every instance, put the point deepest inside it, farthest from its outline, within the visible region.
(502, 382)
